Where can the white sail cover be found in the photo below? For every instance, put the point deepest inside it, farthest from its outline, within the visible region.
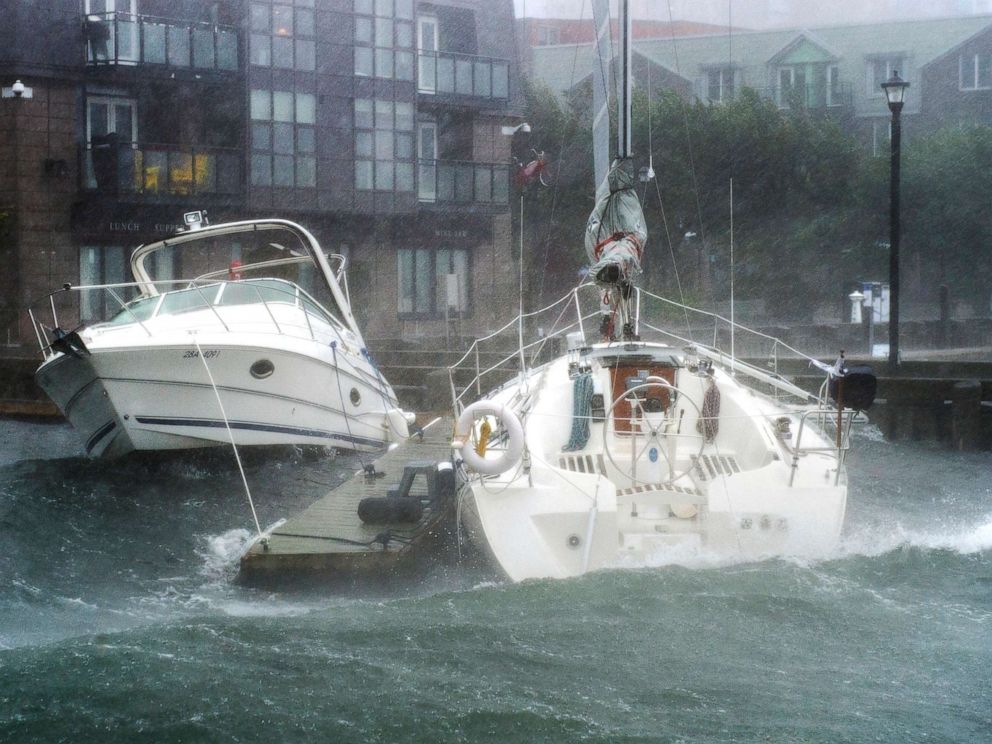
(616, 233)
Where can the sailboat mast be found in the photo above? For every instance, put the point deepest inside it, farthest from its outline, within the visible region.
(623, 94)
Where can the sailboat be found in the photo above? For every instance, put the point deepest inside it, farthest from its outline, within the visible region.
(622, 451)
(257, 345)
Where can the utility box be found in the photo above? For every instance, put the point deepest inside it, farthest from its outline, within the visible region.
(876, 301)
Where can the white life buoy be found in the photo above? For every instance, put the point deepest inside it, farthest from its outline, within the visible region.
(511, 425)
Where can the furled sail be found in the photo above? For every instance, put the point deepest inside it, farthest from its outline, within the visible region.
(616, 233)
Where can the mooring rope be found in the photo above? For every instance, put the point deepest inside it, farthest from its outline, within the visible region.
(230, 434)
(582, 390)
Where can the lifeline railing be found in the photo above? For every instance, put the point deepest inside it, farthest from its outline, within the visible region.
(511, 358)
(207, 291)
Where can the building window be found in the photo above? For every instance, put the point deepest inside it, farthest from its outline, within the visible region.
(282, 35)
(881, 69)
(548, 35)
(834, 97)
(384, 39)
(881, 134)
(283, 140)
(383, 145)
(433, 282)
(101, 265)
(975, 71)
(720, 84)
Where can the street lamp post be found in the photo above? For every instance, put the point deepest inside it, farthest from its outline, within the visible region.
(895, 93)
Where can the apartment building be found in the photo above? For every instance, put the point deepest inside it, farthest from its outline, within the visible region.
(377, 124)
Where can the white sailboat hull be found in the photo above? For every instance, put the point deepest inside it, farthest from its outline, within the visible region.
(581, 511)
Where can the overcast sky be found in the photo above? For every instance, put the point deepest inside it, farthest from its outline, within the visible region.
(765, 13)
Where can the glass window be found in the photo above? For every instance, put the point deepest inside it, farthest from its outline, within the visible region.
(383, 114)
(383, 7)
(306, 108)
(404, 35)
(363, 6)
(282, 52)
(383, 32)
(384, 175)
(282, 139)
(261, 137)
(304, 22)
(282, 20)
(305, 140)
(306, 56)
(404, 9)
(404, 65)
(384, 145)
(261, 50)
(363, 113)
(404, 116)
(363, 61)
(282, 105)
(383, 63)
(363, 30)
(282, 170)
(261, 104)
(261, 170)
(261, 18)
(363, 175)
(404, 176)
(363, 144)
(306, 172)
(404, 146)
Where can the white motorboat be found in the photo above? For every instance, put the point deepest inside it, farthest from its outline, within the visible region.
(624, 451)
(257, 346)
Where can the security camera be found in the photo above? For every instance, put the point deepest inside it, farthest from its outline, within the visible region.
(17, 89)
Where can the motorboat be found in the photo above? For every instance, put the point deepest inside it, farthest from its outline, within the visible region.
(641, 442)
(257, 345)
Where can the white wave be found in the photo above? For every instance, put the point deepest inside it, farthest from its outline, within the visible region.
(222, 553)
(963, 539)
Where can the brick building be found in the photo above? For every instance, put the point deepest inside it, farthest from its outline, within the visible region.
(374, 123)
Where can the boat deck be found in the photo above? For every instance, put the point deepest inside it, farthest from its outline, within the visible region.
(329, 543)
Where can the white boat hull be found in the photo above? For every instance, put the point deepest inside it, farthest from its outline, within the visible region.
(741, 496)
(160, 397)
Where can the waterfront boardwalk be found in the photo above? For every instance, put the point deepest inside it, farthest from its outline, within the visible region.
(329, 544)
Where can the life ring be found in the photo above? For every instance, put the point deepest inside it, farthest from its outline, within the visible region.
(511, 425)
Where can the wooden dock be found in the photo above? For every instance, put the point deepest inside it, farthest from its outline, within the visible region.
(329, 544)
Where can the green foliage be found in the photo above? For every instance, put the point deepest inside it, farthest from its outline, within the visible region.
(810, 204)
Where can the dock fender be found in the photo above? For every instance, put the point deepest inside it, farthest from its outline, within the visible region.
(510, 424)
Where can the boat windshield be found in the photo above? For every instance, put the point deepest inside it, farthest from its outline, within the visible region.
(220, 294)
(255, 254)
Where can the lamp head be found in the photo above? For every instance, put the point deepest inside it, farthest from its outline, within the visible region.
(17, 88)
(895, 91)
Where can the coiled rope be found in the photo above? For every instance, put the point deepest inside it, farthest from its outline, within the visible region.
(582, 390)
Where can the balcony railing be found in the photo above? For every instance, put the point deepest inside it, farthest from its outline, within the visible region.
(447, 73)
(454, 182)
(811, 96)
(160, 170)
(125, 39)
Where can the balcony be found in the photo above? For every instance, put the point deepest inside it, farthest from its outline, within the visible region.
(448, 74)
(839, 95)
(161, 171)
(470, 183)
(125, 39)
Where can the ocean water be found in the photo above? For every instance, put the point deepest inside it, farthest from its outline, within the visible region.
(120, 621)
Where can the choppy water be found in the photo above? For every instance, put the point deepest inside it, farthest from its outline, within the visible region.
(119, 621)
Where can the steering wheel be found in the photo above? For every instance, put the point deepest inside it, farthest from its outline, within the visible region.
(655, 435)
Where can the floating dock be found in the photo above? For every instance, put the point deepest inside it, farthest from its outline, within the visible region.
(328, 543)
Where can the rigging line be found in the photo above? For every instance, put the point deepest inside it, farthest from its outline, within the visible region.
(688, 133)
(223, 413)
(561, 158)
(675, 263)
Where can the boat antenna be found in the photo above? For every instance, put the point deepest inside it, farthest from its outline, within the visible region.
(733, 325)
